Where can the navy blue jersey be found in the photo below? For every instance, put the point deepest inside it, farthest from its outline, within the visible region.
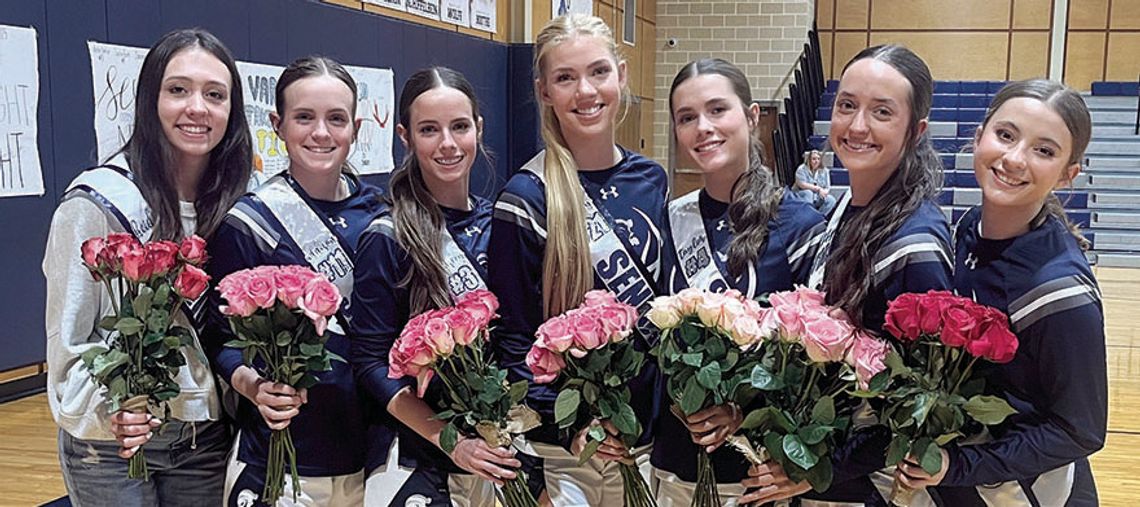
(915, 259)
(329, 429)
(1057, 381)
(785, 260)
(380, 309)
(634, 192)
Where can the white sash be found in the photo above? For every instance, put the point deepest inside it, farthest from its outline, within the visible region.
(112, 186)
(815, 280)
(462, 275)
(619, 270)
(691, 242)
(318, 243)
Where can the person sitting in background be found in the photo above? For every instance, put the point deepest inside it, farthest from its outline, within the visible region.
(813, 182)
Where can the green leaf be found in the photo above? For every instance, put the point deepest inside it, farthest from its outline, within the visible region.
(566, 407)
(922, 405)
(894, 363)
(813, 433)
(590, 393)
(988, 410)
(931, 460)
(108, 323)
(172, 342)
(759, 419)
(709, 376)
(596, 433)
(898, 449)
(105, 364)
(774, 443)
(308, 349)
(693, 397)
(141, 303)
(517, 392)
(942, 440)
(129, 325)
(693, 359)
(824, 410)
(588, 451)
(448, 438)
(764, 379)
(879, 382)
(625, 420)
(798, 453)
(283, 338)
(820, 476)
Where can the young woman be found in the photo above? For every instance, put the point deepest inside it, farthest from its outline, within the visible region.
(887, 236)
(741, 231)
(813, 182)
(1019, 253)
(186, 162)
(582, 214)
(426, 247)
(312, 215)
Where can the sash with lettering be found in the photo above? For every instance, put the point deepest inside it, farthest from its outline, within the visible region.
(324, 249)
(622, 272)
(113, 187)
(463, 275)
(815, 280)
(699, 263)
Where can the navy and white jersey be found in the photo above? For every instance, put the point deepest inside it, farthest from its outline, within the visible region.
(634, 193)
(329, 430)
(381, 307)
(785, 260)
(915, 259)
(1057, 381)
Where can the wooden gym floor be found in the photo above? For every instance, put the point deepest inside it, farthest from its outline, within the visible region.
(29, 470)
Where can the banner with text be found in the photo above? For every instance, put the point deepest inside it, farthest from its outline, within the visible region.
(20, 170)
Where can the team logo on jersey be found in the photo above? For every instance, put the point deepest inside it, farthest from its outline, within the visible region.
(971, 260)
(626, 226)
(340, 222)
(611, 192)
(721, 225)
(417, 501)
(472, 230)
(246, 498)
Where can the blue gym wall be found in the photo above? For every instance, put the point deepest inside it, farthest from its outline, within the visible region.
(263, 31)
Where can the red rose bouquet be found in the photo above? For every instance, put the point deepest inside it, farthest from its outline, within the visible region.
(586, 350)
(936, 394)
(451, 342)
(148, 284)
(803, 371)
(280, 315)
(702, 353)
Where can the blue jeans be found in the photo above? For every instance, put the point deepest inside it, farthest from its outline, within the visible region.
(822, 204)
(186, 461)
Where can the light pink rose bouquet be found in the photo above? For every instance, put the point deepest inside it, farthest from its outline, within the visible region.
(148, 284)
(279, 315)
(476, 399)
(586, 351)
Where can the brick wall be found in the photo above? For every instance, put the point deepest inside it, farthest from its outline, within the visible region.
(762, 37)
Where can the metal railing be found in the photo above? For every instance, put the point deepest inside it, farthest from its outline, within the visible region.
(796, 124)
(1137, 132)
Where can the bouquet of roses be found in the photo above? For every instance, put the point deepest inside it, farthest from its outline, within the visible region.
(935, 395)
(703, 355)
(280, 314)
(587, 350)
(804, 361)
(451, 342)
(148, 284)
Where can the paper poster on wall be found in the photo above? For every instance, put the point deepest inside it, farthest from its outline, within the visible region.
(456, 11)
(115, 72)
(391, 4)
(562, 7)
(20, 172)
(425, 8)
(483, 14)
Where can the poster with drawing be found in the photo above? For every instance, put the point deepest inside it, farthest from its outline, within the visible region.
(456, 11)
(115, 72)
(562, 7)
(483, 15)
(391, 4)
(20, 171)
(426, 8)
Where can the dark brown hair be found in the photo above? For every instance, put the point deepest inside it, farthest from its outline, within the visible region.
(152, 158)
(918, 178)
(755, 195)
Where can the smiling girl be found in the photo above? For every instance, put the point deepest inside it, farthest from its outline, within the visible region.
(741, 231)
(311, 215)
(583, 214)
(1019, 253)
(186, 162)
(427, 247)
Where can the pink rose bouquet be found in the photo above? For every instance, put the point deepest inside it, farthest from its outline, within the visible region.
(148, 284)
(451, 343)
(587, 352)
(936, 398)
(804, 366)
(280, 315)
(703, 353)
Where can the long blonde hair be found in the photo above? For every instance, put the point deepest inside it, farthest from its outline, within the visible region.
(567, 273)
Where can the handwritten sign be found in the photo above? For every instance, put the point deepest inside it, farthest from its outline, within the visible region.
(20, 172)
(115, 72)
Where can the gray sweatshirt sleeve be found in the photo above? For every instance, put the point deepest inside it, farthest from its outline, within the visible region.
(75, 303)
